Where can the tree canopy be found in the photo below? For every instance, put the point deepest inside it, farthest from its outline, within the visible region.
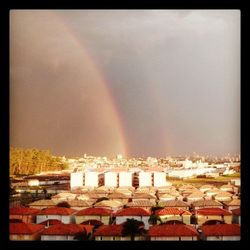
(33, 161)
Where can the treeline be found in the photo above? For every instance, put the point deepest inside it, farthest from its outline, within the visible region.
(33, 161)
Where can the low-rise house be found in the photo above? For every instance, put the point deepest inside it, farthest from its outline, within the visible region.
(223, 196)
(205, 214)
(166, 197)
(206, 188)
(110, 204)
(236, 216)
(25, 231)
(172, 213)
(119, 197)
(66, 231)
(112, 233)
(64, 196)
(212, 192)
(65, 215)
(233, 204)
(80, 204)
(173, 233)
(195, 196)
(26, 214)
(41, 204)
(206, 204)
(227, 188)
(146, 204)
(101, 214)
(83, 197)
(175, 204)
(136, 213)
(144, 196)
(221, 232)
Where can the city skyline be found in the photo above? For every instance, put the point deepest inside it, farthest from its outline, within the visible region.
(131, 82)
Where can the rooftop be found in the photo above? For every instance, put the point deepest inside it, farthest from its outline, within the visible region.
(94, 211)
(23, 211)
(25, 228)
(172, 230)
(221, 230)
(132, 211)
(57, 211)
(213, 211)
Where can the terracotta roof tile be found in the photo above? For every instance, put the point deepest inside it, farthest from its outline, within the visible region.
(172, 230)
(175, 203)
(203, 203)
(67, 229)
(141, 203)
(94, 211)
(221, 230)
(24, 211)
(132, 211)
(25, 228)
(57, 211)
(172, 210)
(212, 211)
(236, 211)
(109, 230)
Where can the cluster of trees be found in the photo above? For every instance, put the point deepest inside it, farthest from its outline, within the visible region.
(32, 161)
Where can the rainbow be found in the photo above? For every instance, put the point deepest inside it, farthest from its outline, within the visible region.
(100, 81)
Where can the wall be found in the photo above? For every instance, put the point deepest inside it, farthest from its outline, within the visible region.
(76, 180)
(103, 219)
(110, 179)
(145, 179)
(57, 237)
(125, 179)
(202, 219)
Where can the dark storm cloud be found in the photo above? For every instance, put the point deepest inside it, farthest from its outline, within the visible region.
(174, 77)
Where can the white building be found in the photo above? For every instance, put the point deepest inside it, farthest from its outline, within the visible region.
(160, 179)
(145, 179)
(125, 179)
(110, 179)
(76, 180)
(91, 179)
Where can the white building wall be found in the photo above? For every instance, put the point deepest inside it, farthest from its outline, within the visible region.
(125, 179)
(145, 179)
(110, 179)
(91, 179)
(41, 218)
(57, 237)
(160, 179)
(76, 180)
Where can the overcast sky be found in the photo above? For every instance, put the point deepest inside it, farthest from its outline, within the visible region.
(136, 82)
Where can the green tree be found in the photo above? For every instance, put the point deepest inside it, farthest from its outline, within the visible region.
(133, 228)
(63, 204)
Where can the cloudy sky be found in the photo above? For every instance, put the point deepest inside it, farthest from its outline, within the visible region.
(136, 82)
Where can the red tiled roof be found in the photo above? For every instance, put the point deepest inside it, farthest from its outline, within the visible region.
(221, 229)
(136, 211)
(67, 229)
(94, 211)
(172, 230)
(172, 211)
(23, 211)
(25, 228)
(213, 211)
(57, 211)
(236, 211)
(109, 230)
